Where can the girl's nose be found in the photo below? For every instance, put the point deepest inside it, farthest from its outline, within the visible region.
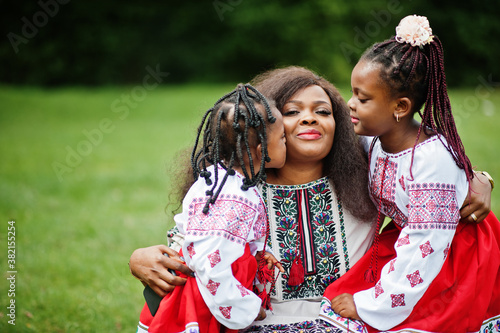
(350, 104)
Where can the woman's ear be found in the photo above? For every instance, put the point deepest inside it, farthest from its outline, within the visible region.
(403, 108)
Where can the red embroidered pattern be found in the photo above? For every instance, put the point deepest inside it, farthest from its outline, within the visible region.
(212, 286)
(388, 194)
(403, 241)
(191, 250)
(378, 289)
(214, 258)
(402, 182)
(398, 300)
(426, 249)
(414, 278)
(231, 217)
(433, 206)
(391, 265)
(446, 251)
(243, 290)
(226, 311)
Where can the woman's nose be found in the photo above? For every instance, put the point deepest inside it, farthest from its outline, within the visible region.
(309, 118)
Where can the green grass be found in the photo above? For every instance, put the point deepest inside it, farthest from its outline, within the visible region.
(76, 227)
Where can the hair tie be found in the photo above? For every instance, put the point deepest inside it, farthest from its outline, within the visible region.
(414, 30)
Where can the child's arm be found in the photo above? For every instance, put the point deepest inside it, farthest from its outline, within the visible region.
(433, 196)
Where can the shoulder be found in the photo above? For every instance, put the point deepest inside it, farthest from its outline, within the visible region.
(433, 165)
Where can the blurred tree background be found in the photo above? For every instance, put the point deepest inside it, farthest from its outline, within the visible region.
(63, 42)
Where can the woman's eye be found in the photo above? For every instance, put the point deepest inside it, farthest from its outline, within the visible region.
(325, 112)
(362, 100)
(290, 112)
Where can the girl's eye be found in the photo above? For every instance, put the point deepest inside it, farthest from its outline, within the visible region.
(362, 100)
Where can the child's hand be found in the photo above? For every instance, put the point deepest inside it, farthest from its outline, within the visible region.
(272, 261)
(343, 305)
(262, 314)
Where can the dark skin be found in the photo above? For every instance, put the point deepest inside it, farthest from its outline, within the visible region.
(397, 130)
(151, 267)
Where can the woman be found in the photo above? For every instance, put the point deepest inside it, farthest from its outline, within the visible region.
(319, 211)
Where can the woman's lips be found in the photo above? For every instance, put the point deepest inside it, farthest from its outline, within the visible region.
(354, 120)
(309, 134)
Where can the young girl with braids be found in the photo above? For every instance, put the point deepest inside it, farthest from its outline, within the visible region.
(425, 271)
(223, 217)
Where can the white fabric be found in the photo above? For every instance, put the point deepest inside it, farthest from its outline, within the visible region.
(427, 208)
(215, 240)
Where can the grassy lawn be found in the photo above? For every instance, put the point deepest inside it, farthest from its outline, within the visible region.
(84, 177)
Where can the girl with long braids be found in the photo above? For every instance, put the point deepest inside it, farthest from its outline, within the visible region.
(224, 218)
(425, 271)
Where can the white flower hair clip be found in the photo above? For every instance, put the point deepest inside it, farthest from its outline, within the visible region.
(414, 30)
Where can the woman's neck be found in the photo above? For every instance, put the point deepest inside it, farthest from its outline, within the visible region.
(295, 173)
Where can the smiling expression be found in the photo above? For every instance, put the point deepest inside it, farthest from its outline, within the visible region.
(309, 124)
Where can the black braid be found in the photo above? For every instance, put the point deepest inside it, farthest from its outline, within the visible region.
(227, 143)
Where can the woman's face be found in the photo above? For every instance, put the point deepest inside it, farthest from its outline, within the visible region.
(309, 125)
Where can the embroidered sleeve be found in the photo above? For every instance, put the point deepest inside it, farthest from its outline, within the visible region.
(213, 242)
(421, 249)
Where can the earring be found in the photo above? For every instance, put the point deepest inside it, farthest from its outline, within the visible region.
(397, 117)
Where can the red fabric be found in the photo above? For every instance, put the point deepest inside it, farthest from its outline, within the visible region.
(185, 304)
(464, 293)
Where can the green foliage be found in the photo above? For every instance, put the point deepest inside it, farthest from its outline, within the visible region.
(56, 42)
(75, 231)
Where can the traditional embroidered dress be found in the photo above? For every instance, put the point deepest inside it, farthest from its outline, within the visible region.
(219, 247)
(433, 274)
(308, 221)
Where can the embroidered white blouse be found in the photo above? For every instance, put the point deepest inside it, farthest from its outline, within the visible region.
(215, 240)
(426, 205)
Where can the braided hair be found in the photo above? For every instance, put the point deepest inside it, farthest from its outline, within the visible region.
(417, 72)
(230, 129)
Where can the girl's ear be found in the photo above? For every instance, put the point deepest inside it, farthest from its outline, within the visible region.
(259, 151)
(403, 108)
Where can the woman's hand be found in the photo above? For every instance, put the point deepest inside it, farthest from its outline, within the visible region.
(151, 266)
(344, 306)
(479, 203)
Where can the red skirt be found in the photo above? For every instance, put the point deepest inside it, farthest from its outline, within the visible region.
(465, 293)
(184, 307)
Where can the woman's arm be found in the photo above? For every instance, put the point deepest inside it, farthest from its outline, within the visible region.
(151, 266)
(479, 202)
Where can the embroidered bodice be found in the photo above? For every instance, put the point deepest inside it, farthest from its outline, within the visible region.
(308, 220)
(425, 204)
(215, 240)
